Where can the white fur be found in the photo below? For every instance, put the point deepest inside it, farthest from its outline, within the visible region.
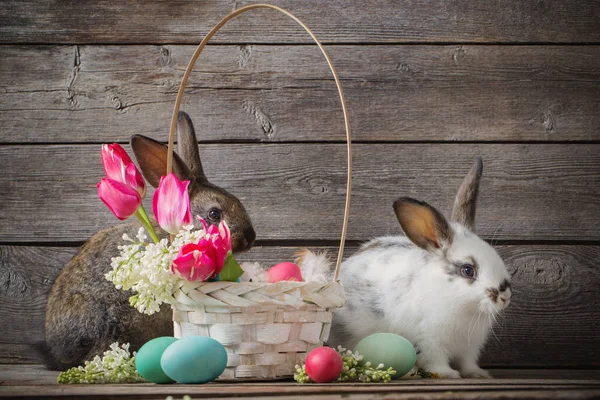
(316, 267)
(253, 271)
(400, 288)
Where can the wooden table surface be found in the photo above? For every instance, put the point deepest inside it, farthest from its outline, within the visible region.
(33, 381)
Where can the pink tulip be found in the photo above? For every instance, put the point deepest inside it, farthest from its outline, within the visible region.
(220, 237)
(121, 199)
(205, 259)
(119, 167)
(194, 262)
(171, 204)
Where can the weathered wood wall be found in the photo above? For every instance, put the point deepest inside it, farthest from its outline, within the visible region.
(429, 86)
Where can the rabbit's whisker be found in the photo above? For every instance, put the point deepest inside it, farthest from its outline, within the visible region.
(479, 312)
(494, 236)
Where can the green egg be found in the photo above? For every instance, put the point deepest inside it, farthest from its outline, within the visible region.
(147, 360)
(388, 349)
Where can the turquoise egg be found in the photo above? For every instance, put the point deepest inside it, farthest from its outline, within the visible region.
(147, 360)
(194, 359)
(388, 349)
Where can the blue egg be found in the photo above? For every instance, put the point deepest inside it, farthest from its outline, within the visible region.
(194, 359)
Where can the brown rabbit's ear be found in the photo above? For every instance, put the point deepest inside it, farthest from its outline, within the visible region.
(463, 211)
(187, 146)
(424, 225)
(151, 155)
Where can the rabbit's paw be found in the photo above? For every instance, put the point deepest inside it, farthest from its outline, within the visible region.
(475, 372)
(444, 372)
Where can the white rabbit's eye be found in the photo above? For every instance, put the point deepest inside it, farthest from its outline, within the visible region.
(468, 271)
(214, 214)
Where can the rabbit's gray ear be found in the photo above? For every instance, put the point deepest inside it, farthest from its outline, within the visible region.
(187, 146)
(151, 156)
(423, 225)
(465, 203)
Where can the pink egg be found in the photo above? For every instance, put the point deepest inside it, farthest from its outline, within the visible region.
(285, 271)
(324, 365)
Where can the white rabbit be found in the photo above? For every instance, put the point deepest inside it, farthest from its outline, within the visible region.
(440, 287)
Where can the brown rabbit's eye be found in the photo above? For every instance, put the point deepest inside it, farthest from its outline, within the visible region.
(214, 214)
(467, 271)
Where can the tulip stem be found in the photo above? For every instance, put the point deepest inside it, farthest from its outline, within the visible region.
(143, 217)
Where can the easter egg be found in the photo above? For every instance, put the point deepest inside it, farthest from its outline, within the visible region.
(323, 365)
(285, 271)
(147, 360)
(388, 349)
(194, 359)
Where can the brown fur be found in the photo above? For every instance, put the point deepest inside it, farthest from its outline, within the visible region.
(493, 294)
(423, 225)
(85, 312)
(300, 255)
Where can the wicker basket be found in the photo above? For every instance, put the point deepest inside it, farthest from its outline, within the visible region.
(266, 328)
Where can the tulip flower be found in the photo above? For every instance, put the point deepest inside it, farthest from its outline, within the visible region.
(122, 179)
(220, 237)
(121, 199)
(119, 167)
(195, 261)
(205, 259)
(171, 204)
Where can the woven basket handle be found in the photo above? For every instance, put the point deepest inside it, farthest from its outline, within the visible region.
(186, 76)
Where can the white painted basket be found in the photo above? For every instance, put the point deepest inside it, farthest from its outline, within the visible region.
(266, 328)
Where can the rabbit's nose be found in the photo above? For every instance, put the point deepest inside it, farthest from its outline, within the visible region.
(249, 237)
(504, 298)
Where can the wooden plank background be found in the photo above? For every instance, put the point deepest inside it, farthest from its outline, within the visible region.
(296, 190)
(429, 88)
(334, 21)
(247, 92)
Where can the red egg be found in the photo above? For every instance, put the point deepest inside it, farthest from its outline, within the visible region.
(285, 271)
(324, 365)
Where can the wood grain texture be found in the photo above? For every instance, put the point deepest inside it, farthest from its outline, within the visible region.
(26, 276)
(285, 93)
(296, 191)
(36, 382)
(35, 375)
(552, 321)
(158, 392)
(339, 21)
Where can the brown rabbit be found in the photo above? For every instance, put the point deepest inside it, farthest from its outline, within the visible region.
(85, 312)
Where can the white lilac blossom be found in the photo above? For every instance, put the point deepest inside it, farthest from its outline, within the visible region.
(145, 268)
(117, 365)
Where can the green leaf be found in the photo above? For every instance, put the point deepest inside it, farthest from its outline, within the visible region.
(231, 269)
